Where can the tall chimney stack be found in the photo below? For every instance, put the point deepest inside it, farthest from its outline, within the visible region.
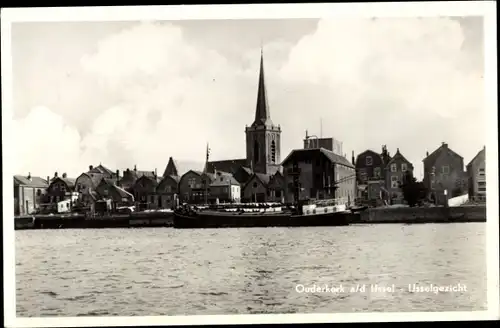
(118, 178)
(48, 179)
(91, 167)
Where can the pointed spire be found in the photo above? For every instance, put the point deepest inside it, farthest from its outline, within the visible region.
(262, 114)
(171, 168)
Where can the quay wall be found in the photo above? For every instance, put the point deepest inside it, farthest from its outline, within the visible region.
(423, 215)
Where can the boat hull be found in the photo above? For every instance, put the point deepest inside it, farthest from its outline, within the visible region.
(223, 220)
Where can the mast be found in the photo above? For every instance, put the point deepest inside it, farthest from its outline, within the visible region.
(206, 174)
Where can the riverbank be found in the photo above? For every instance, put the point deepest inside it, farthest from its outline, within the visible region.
(413, 215)
(80, 221)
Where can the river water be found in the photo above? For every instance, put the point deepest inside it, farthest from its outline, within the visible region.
(166, 271)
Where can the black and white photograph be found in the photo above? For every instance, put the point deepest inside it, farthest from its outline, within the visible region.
(250, 164)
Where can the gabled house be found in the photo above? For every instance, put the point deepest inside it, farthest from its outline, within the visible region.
(444, 174)
(60, 188)
(370, 173)
(476, 172)
(224, 188)
(191, 187)
(256, 189)
(321, 174)
(168, 191)
(130, 177)
(144, 191)
(395, 173)
(109, 190)
(29, 193)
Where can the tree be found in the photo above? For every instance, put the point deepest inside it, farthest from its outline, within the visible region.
(413, 191)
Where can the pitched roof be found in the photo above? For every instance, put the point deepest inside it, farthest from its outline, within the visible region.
(172, 168)
(477, 155)
(434, 155)
(30, 181)
(122, 192)
(262, 112)
(70, 182)
(399, 155)
(230, 165)
(223, 179)
(334, 158)
(102, 169)
(94, 177)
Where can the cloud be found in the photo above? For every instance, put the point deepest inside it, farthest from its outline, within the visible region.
(148, 92)
(401, 82)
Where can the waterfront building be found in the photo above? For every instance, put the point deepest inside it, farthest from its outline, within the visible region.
(59, 188)
(168, 191)
(29, 193)
(130, 177)
(168, 188)
(264, 188)
(476, 173)
(190, 187)
(223, 188)
(108, 190)
(87, 182)
(322, 175)
(395, 172)
(370, 175)
(444, 174)
(144, 191)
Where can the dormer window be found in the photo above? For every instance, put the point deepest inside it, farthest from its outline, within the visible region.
(369, 160)
(394, 167)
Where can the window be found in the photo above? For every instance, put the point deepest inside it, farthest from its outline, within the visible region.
(362, 174)
(376, 172)
(256, 156)
(369, 160)
(192, 182)
(404, 167)
(273, 151)
(482, 172)
(394, 181)
(278, 193)
(445, 169)
(168, 188)
(63, 188)
(394, 167)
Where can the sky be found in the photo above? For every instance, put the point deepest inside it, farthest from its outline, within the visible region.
(136, 93)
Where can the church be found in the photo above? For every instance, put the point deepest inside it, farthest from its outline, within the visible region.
(259, 174)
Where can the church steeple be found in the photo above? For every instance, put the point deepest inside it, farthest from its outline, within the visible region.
(262, 114)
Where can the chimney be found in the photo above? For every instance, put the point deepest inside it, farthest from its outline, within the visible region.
(352, 158)
(91, 167)
(64, 175)
(117, 174)
(427, 154)
(397, 150)
(55, 175)
(307, 135)
(118, 178)
(444, 144)
(29, 176)
(48, 179)
(135, 167)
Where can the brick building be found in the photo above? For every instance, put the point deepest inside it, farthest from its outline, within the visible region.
(444, 174)
(395, 171)
(476, 173)
(323, 175)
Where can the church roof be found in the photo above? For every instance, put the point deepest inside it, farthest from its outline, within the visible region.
(262, 113)
(230, 166)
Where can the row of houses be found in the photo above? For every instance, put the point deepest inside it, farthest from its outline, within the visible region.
(380, 174)
(323, 174)
(319, 169)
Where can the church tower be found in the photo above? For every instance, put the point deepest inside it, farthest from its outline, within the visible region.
(263, 138)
